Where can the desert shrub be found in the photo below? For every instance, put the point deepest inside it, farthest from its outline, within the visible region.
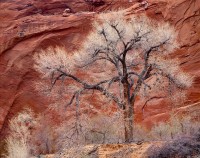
(140, 133)
(100, 129)
(111, 128)
(18, 141)
(38, 135)
(47, 131)
(182, 147)
(175, 127)
(31, 135)
(44, 136)
(105, 129)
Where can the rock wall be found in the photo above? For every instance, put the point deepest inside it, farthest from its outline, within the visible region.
(27, 26)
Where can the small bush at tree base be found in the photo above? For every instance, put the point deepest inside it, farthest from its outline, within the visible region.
(182, 147)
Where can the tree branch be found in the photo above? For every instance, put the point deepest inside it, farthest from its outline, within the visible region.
(119, 34)
(53, 82)
(145, 70)
(97, 87)
(145, 104)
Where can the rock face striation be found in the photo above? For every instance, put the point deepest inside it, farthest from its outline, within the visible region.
(27, 26)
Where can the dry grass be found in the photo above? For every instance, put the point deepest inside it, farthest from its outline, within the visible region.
(18, 142)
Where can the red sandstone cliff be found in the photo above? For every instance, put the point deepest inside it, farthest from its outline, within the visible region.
(26, 26)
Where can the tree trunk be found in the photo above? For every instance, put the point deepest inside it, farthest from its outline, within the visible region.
(128, 123)
(128, 116)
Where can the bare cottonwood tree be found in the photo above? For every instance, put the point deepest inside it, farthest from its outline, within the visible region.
(128, 58)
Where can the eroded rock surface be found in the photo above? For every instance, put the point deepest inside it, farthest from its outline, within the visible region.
(27, 26)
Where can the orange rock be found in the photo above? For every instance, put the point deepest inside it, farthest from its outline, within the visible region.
(27, 26)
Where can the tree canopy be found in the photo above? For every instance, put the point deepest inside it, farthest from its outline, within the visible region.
(131, 56)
